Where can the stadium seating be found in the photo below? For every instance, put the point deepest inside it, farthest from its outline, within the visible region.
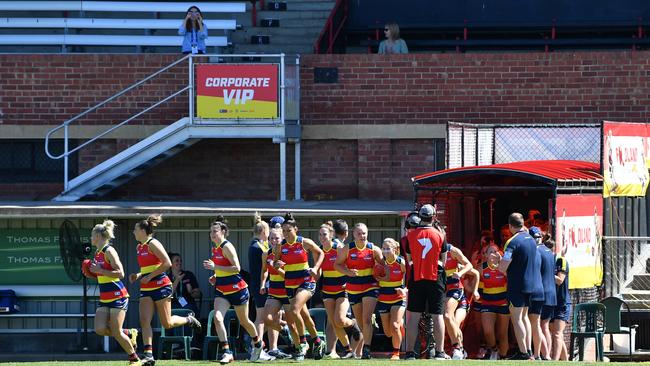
(107, 24)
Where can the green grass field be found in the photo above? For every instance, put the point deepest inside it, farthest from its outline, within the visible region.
(375, 362)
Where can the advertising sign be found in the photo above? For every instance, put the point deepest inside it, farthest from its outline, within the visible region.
(578, 237)
(237, 91)
(32, 257)
(625, 159)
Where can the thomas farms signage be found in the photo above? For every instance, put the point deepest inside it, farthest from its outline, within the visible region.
(31, 257)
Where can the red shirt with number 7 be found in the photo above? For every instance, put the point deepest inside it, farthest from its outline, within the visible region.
(425, 244)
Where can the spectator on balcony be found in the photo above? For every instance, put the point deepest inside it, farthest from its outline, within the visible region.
(393, 43)
(194, 32)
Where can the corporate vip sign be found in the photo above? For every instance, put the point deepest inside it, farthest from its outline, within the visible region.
(237, 91)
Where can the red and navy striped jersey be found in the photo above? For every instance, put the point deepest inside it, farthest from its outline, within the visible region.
(148, 263)
(276, 279)
(225, 282)
(388, 289)
(451, 267)
(333, 280)
(363, 261)
(296, 263)
(110, 288)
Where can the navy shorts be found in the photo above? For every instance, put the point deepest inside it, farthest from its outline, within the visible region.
(518, 299)
(339, 295)
(309, 286)
(260, 300)
(282, 300)
(122, 304)
(463, 303)
(561, 312)
(457, 294)
(545, 312)
(358, 298)
(476, 306)
(236, 298)
(496, 309)
(384, 308)
(158, 294)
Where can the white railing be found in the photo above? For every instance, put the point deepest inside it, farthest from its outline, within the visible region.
(122, 6)
(100, 40)
(191, 98)
(107, 23)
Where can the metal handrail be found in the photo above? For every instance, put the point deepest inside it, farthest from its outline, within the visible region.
(118, 125)
(189, 87)
(99, 105)
(328, 29)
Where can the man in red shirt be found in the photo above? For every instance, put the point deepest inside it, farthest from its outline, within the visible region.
(427, 286)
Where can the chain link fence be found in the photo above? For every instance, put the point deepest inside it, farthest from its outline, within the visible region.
(483, 144)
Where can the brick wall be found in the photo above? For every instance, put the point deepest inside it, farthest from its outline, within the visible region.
(480, 87)
(249, 169)
(372, 89)
(49, 89)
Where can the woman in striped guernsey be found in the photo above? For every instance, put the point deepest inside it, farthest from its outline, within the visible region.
(392, 294)
(495, 315)
(334, 296)
(277, 298)
(356, 260)
(230, 289)
(299, 279)
(113, 297)
(456, 305)
(155, 285)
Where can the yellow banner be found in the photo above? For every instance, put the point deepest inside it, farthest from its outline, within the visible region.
(625, 164)
(214, 107)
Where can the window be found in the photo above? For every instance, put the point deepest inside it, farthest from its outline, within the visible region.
(439, 147)
(25, 161)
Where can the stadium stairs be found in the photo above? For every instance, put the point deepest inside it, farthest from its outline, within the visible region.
(290, 31)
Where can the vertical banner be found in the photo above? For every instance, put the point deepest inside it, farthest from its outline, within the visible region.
(237, 91)
(32, 257)
(578, 237)
(625, 159)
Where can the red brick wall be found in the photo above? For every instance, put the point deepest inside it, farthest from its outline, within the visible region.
(49, 89)
(479, 87)
(400, 89)
(249, 169)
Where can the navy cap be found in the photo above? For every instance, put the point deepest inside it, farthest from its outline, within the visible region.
(276, 220)
(535, 232)
(427, 212)
(413, 220)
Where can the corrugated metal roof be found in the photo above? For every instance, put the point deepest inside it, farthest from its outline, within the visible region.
(551, 171)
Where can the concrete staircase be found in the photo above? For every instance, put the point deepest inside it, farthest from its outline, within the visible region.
(636, 291)
(299, 27)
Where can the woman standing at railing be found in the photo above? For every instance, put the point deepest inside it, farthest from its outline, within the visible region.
(194, 32)
(393, 43)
